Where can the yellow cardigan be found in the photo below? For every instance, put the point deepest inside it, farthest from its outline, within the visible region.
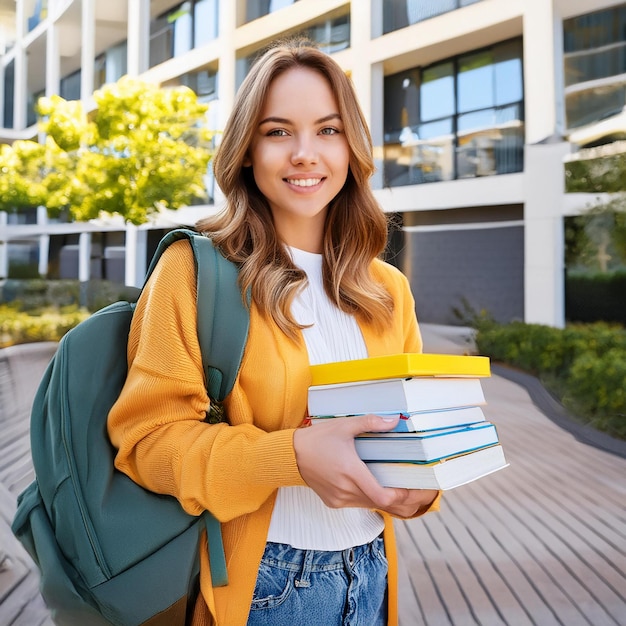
(232, 470)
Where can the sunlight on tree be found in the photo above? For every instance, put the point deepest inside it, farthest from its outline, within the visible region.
(143, 149)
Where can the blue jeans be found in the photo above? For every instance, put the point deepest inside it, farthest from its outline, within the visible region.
(314, 588)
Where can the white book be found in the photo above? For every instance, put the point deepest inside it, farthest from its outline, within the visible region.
(402, 395)
(446, 474)
(420, 421)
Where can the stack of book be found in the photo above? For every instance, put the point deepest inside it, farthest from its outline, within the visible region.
(442, 440)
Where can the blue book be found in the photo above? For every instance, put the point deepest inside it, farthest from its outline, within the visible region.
(433, 445)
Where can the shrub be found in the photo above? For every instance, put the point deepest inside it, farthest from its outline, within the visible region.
(20, 327)
(584, 365)
(596, 387)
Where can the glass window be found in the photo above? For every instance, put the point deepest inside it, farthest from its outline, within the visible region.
(31, 114)
(475, 81)
(509, 79)
(202, 82)
(595, 64)
(259, 8)
(420, 10)
(70, 86)
(437, 92)
(9, 90)
(594, 30)
(401, 101)
(204, 21)
(594, 104)
(161, 40)
(401, 13)
(431, 135)
(594, 50)
(117, 62)
(330, 35)
(181, 23)
(110, 66)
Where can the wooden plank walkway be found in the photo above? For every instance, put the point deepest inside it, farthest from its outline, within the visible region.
(21, 369)
(541, 542)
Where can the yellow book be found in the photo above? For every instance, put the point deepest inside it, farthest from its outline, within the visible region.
(401, 366)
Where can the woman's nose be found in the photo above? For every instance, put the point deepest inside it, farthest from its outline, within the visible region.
(304, 151)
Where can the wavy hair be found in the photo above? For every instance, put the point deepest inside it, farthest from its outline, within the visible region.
(355, 231)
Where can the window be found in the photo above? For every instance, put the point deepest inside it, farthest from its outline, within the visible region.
(258, 8)
(204, 22)
(111, 65)
(202, 82)
(594, 65)
(9, 91)
(402, 13)
(330, 35)
(70, 86)
(176, 32)
(458, 118)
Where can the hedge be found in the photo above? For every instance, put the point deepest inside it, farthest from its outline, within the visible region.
(584, 365)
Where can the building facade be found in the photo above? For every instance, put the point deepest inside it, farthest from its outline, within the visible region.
(472, 104)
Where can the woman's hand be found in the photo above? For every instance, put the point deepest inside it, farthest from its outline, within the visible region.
(329, 464)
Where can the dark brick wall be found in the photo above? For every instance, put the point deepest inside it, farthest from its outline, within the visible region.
(485, 267)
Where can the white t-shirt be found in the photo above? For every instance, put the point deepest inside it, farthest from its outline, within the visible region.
(300, 518)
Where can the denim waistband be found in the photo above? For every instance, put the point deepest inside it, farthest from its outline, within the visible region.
(295, 559)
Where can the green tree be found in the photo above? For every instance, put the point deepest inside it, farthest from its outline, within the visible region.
(21, 175)
(142, 149)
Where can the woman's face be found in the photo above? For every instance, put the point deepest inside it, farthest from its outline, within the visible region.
(299, 155)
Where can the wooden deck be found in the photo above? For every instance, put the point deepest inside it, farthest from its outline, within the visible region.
(20, 371)
(541, 542)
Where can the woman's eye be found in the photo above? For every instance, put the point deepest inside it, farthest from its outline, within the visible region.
(329, 131)
(277, 132)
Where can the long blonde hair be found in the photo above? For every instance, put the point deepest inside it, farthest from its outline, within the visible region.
(356, 227)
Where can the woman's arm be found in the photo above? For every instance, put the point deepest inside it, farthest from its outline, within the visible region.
(157, 422)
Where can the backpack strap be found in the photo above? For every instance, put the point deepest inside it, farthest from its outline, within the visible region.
(223, 323)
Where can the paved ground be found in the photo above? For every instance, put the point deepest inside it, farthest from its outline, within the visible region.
(541, 542)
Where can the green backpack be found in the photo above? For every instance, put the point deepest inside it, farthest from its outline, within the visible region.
(109, 551)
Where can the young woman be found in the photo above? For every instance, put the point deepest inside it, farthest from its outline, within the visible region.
(307, 529)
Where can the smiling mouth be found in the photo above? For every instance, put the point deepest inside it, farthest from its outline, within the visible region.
(304, 182)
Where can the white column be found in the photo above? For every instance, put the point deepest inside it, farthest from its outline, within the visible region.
(227, 74)
(377, 122)
(44, 242)
(360, 28)
(88, 49)
(544, 283)
(226, 86)
(376, 13)
(141, 257)
(53, 61)
(130, 255)
(4, 246)
(138, 36)
(542, 81)
(84, 257)
(136, 250)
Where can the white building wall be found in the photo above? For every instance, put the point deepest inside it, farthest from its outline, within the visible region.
(539, 188)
